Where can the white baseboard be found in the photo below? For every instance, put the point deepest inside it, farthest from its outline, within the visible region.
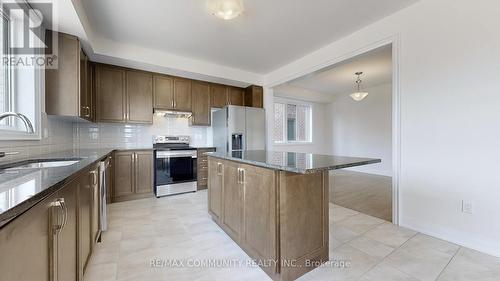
(367, 170)
(487, 246)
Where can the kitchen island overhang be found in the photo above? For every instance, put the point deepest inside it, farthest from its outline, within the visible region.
(274, 205)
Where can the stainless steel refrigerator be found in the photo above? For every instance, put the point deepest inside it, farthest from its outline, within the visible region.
(239, 128)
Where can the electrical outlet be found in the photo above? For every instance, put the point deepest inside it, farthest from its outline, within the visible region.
(467, 207)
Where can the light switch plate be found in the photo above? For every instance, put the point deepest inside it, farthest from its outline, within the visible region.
(467, 207)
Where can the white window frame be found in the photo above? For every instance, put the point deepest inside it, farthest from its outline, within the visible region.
(286, 102)
(6, 132)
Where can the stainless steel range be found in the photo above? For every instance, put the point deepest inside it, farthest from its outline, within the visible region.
(175, 165)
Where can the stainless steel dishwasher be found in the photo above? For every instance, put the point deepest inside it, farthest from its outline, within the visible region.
(103, 182)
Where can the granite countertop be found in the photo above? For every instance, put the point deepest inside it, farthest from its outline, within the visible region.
(22, 189)
(302, 163)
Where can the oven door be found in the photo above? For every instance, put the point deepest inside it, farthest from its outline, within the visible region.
(175, 172)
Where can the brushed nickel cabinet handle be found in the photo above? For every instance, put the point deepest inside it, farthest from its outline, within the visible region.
(242, 176)
(219, 169)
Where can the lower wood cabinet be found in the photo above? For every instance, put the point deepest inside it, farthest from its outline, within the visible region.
(52, 240)
(133, 174)
(241, 199)
(202, 167)
(272, 215)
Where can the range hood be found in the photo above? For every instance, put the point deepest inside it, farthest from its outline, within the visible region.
(172, 113)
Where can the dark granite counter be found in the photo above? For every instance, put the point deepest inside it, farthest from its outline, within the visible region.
(302, 163)
(22, 189)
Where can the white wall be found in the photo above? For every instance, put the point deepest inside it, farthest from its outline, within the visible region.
(364, 129)
(321, 133)
(449, 96)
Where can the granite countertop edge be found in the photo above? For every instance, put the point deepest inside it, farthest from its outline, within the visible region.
(292, 169)
(13, 212)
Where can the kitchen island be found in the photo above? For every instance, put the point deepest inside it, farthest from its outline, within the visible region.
(274, 205)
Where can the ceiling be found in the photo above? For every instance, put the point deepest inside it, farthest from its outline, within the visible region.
(267, 36)
(376, 66)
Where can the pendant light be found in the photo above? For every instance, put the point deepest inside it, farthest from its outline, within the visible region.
(225, 9)
(358, 95)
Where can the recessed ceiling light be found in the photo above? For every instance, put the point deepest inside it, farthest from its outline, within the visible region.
(225, 9)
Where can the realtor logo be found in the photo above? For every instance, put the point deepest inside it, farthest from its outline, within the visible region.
(25, 33)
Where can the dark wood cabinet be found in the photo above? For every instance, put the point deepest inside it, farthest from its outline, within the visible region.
(200, 94)
(254, 96)
(218, 95)
(202, 167)
(232, 196)
(123, 166)
(133, 174)
(163, 92)
(143, 172)
(236, 96)
(111, 94)
(52, 240)
(182, 94)
(26, 245)
(139, 97)
(215, 181)
(67, 87)
(67, 246)
(86, 182)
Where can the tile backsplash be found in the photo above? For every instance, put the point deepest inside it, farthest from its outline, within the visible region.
(57, 135)
(61, 135)
(103, 135)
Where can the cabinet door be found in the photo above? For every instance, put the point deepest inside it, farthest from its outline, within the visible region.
(215, 181)
(67, 245)
(25, 251)
(85, 220)
(233, 203)
(111, 96)
(218, 95)
(259, 189)
(143, 172)
(236, 96)
(85, 109)
(139, 97)
(254, 96)
(123, 173)
(163, 91)
(182, 92)
(201, 104)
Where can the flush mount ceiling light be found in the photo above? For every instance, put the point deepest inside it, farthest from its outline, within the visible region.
(225, 9)
(358, 95)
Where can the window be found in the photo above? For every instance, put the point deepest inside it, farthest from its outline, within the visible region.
(5, 93)
(292, 122)
(21, 79)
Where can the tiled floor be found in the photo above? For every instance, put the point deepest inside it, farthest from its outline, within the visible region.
(365, 193)
(361, 248)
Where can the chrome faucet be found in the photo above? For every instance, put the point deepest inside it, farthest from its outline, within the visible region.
(26, 121)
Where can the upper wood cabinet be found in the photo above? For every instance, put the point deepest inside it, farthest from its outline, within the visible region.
(254, 96)
(236, 96)
(218, 95)
(68, 87)
(163, 92)
(111, 94)
(182, 94)
(124, 96)
(172, 93)
(200, 94)
(139, 97)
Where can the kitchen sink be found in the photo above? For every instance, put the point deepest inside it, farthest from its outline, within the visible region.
(42, 164)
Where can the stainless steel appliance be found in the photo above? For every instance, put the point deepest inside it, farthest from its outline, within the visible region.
(104, 180)
(175, 165)
(239, 128)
